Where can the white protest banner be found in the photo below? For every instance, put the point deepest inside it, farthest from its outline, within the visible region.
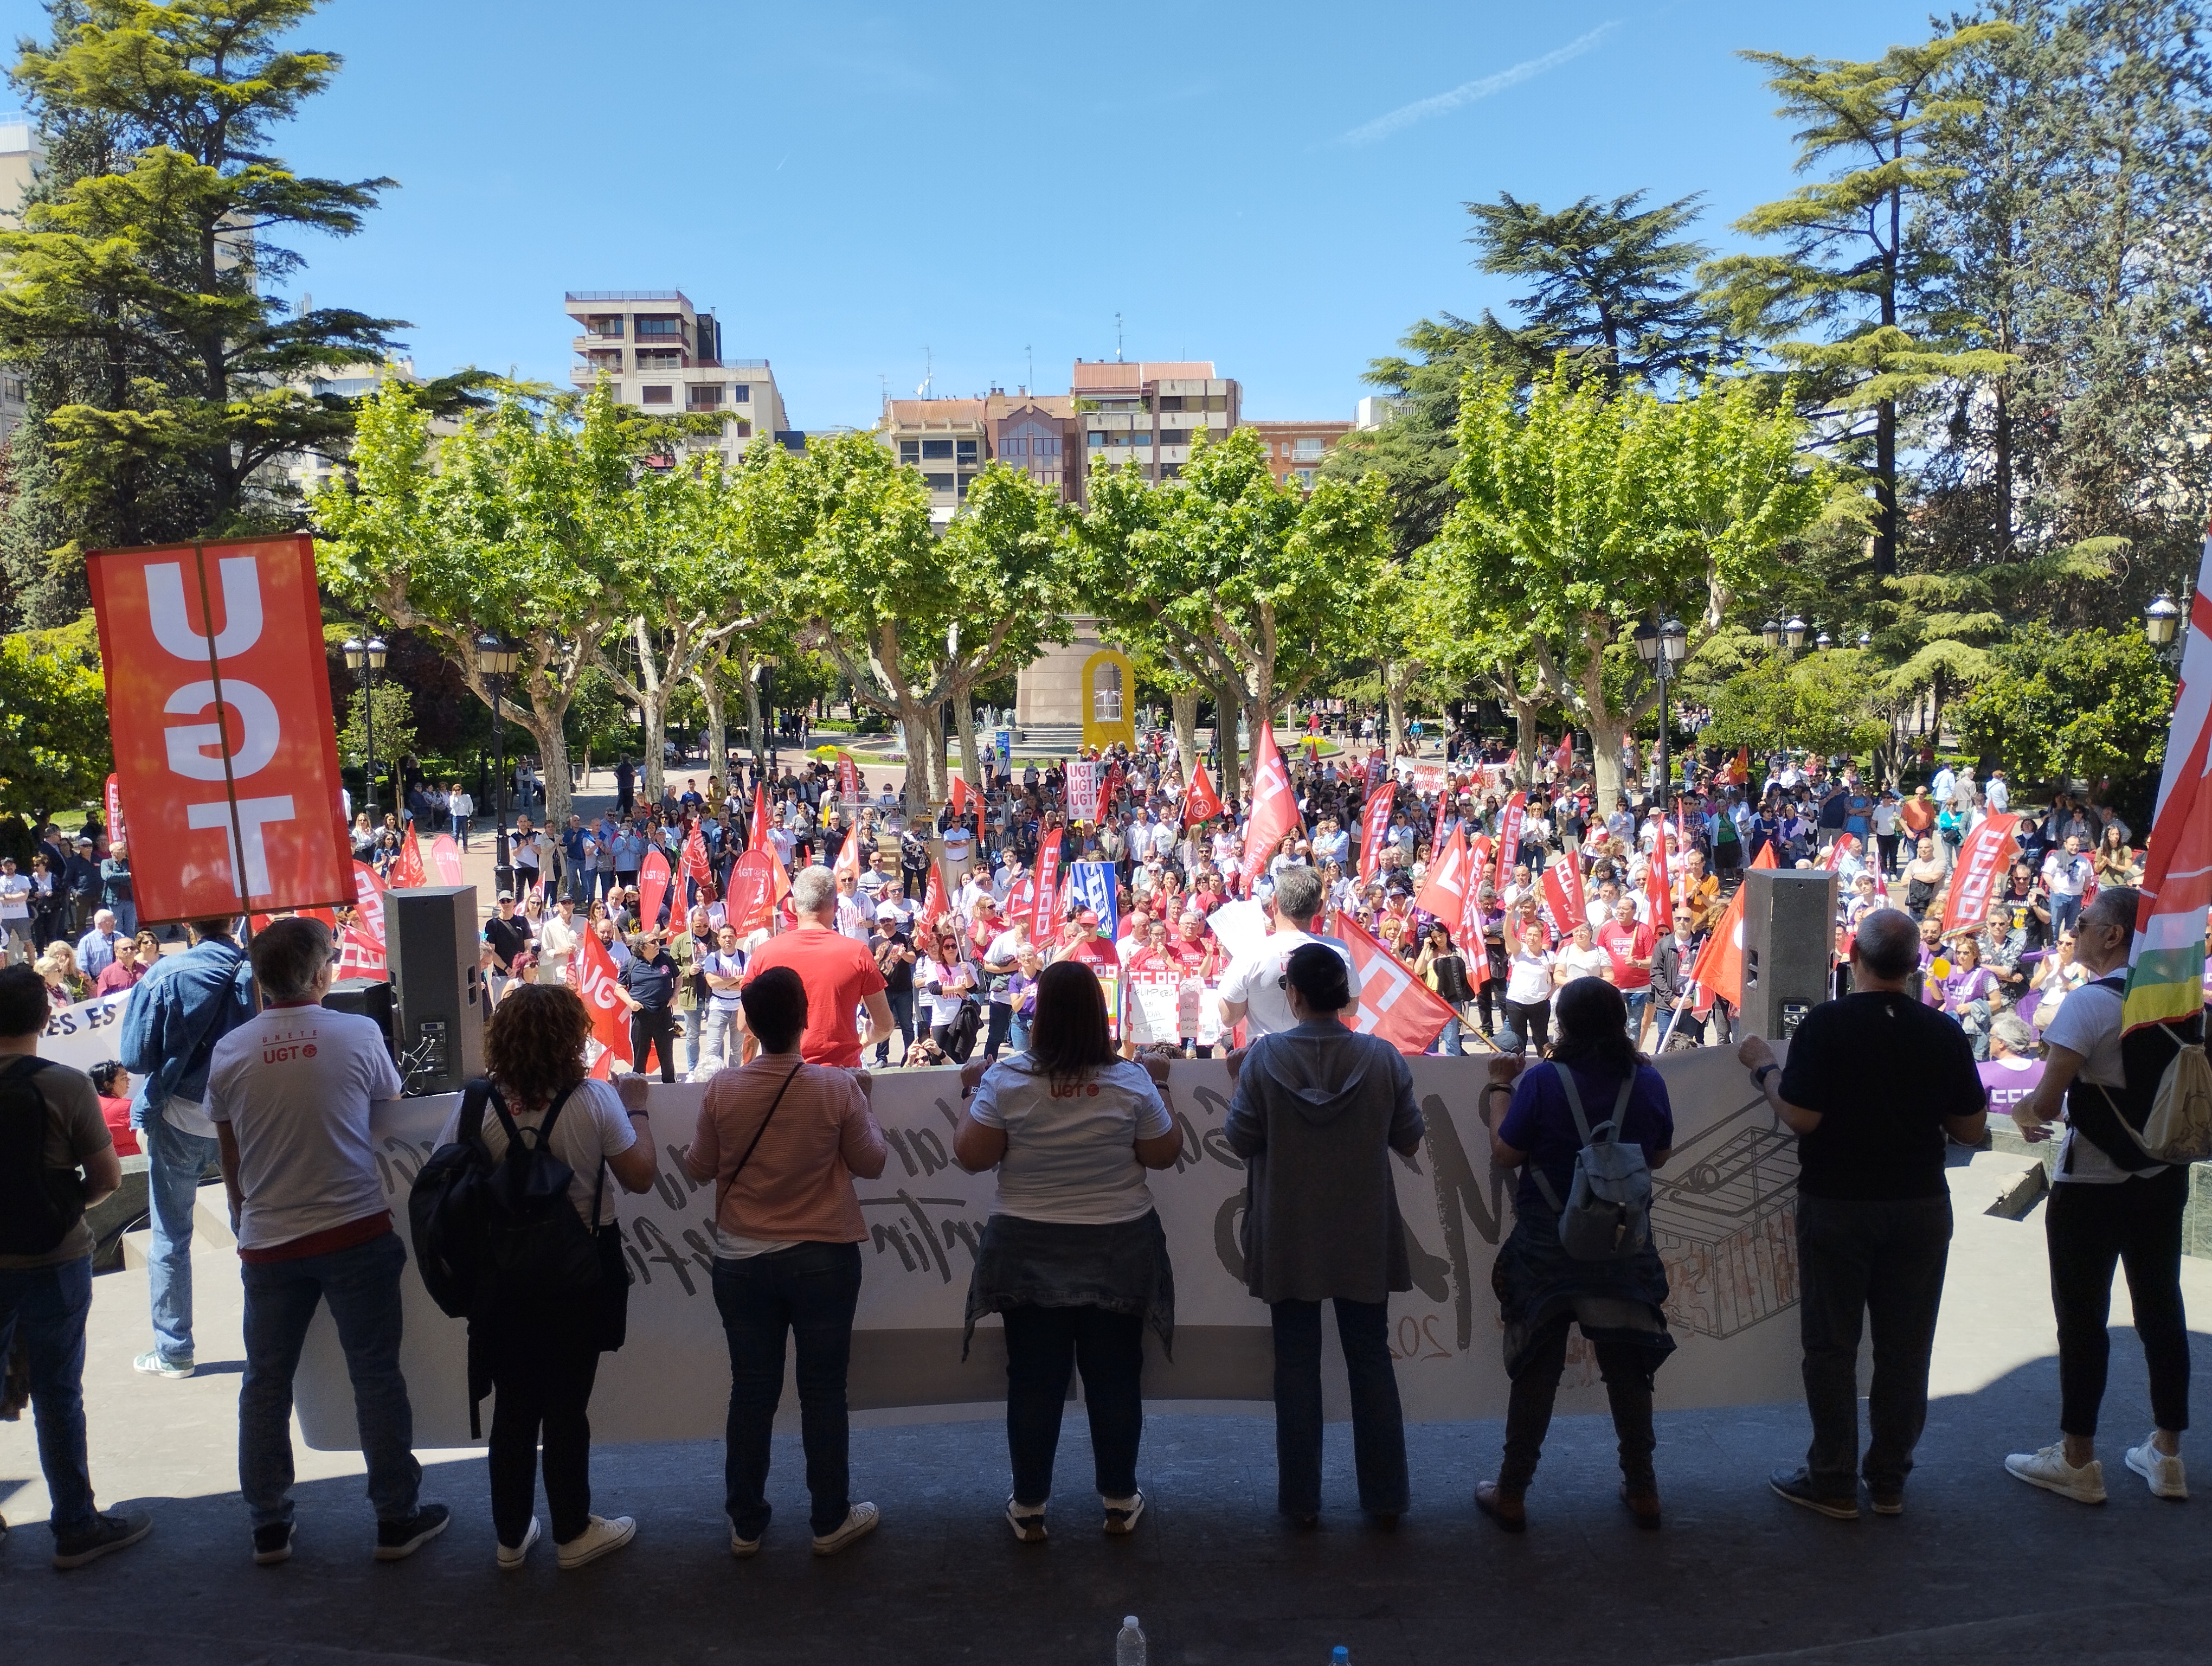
(1724, 1214)
(1082, 782)
(86, 1034)
(1430, 779)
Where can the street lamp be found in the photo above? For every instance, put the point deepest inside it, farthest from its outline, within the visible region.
(1865, 639)
(1823, 642)
(765, 679)
(495, 663)
(1661, 646)
(365, 660)
(2161, 619)
(1771, 634)
(1794, 633)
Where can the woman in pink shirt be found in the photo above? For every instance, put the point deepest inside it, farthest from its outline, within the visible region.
(781, 1139)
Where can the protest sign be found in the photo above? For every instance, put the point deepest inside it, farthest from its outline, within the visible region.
(1982, 860)
(219, 709)
(117, 839)
(1729, 1250)
(1430, 778)
(1083, 782)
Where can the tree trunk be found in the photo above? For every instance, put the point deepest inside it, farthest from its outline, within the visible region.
(1605, 735)
(550, 734)
(1185, 704)
(757, 722)
(1393, 701)
(1226, 707)
(924, 746)
(709, 677)
(1525, 741)
(971, 763)
(651, 696)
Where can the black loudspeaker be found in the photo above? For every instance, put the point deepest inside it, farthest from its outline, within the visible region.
(432, 939)
(372, 999)
(1789, 945)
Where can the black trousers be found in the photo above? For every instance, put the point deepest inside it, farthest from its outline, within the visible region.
(1378, 1421)
(543, 1384)
(1862, 1261)
(1043, 1346)
(2136, 1225)
(656, 1025)
(1627, 1371)
(902, 1004)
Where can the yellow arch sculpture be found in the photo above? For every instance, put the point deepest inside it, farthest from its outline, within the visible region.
(1109, 690)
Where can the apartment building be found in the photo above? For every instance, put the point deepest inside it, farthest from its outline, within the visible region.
(1146, 411)
(1295, 450)
(659, 353)
(949, 441)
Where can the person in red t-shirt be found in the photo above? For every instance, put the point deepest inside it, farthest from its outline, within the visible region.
(111, 1082)
(1084, 943)
(1629, 944)
(840, 973)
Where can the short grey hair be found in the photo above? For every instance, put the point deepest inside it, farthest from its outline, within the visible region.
(1297, 893)
(813, 890)
(2012, 1029)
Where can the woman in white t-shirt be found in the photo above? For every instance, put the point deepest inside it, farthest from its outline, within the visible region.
(944, 978)
(1072, 1257)
(1582, 958)
(1528, 980)
(542, 1368)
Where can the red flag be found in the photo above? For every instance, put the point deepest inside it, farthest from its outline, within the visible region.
(933, 905)
(1449, 883)
(1659, 887)
(117, 839)
(693, 865)
(595, 982)
(1846, 843)
(1565, 755)
(653, 879)
(1509, 835)
(1275, 807)
(446, 853)
(409, 870)
(1719, 969)
(368, 902)
(1374, 829)
(1042, 919)
(1394, 1004)
(959, 796)
(848, 855)
(1478, 870)
(1740, 771)
(1201, 803)
(757, 838)
(1557, 903)
(753, 892)
(1982, 860)
(1377, 767)
(1443, 804)
(849, 777)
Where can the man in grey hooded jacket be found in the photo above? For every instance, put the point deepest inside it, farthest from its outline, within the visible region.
(1318, 1110)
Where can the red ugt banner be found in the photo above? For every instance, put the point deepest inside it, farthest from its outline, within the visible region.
(220, 704)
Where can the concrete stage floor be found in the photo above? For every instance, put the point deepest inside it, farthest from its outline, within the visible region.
(1980, 1569)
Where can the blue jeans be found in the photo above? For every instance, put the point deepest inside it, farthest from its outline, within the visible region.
(1378, 1422)
(175, 1161)
(1448, 1038)
(1017, 1034)
(460, 829)
(810, 1290)
(361, 1284)
(1638, 1002)
(46, 1307)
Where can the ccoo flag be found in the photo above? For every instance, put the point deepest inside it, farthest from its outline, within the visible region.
(2166, 978)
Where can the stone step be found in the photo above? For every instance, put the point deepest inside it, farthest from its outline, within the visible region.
(211, 1226)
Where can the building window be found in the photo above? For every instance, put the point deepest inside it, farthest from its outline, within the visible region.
(966, 480)
(937, 450)
(1305, 477)
(744, 428)
(1171, 402)
(705, 396)
(1140, 438)
(965, 452)
(1170, 471)
(1098, 438)
(658, 396)
(606, 324)
(665, 329)
(1215, 402)
(1016, 446)
(1309, 450)
(1175, 436)
(741, 394)
(662, 359)
(938, 483)
(910, 451)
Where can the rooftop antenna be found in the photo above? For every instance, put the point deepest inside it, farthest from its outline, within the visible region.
(1031, 353)
(928, 374)
(1117, 338)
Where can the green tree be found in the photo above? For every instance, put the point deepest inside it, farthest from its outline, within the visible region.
(513, 524)
(2090, 704)
(1819, 703)
(1584, 512)
(1848, 269)
(1611, 286)
(54, 746)
(394, 709)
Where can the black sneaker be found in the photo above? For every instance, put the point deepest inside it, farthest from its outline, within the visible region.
(1796, 1486)
(396, 1540)
(272, 1544)
(111, 1530)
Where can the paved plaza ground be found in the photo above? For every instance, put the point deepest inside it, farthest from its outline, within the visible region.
(1980, 1568)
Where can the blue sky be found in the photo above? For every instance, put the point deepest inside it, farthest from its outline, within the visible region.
(1277, 188)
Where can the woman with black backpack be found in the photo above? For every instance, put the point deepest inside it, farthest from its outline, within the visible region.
(1593, 1076)
(541, 1356)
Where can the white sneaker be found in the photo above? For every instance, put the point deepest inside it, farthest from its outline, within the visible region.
(2050, 1470)
(152, 1364)
(1028, 1523)
(510, 1556)
(743, 1548)
(598, 1537)
(860, 1521)
(2164, 1473)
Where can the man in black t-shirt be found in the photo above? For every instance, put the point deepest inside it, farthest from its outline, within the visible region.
(646, 985)
(509, 933)
(1876, 1086)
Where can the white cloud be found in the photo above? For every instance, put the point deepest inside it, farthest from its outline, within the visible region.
(1471, 91)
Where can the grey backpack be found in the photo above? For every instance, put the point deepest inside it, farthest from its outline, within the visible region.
(1608, 1213)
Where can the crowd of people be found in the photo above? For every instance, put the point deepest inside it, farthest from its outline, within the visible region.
(888, 922)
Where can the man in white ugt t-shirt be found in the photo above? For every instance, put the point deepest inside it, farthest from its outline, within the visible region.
(290, 1092)
(1252, 988)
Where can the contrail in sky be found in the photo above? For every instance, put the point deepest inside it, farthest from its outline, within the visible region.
(1469, 92)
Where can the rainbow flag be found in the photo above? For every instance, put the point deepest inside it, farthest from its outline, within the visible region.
(2167, 979)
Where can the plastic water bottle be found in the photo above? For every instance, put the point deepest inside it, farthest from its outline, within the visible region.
(1129, 1647)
